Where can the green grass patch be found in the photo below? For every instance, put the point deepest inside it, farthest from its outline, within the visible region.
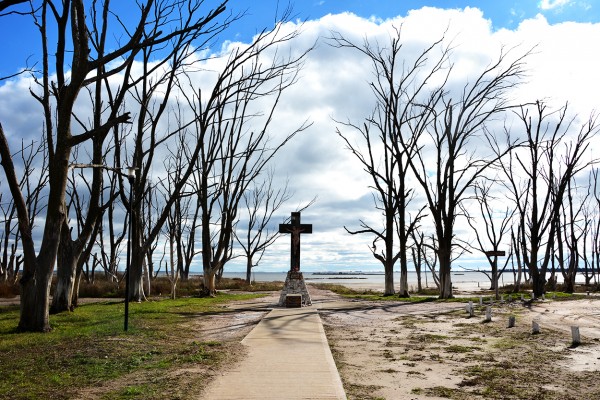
(461, 349)
(449, 393)
(88, 347)
(428, 338)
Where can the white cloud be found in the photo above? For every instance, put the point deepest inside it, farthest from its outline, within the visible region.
(335, 83)
(553, 4)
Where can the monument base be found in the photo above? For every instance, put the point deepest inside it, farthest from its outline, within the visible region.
(294, 284)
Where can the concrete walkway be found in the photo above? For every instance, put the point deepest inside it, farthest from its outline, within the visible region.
(288, 358)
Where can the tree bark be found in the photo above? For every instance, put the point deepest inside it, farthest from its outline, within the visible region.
(65, 274)
(445, 260)
(249, 269)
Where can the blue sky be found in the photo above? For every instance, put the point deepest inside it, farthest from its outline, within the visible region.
(564, 68)
(503, 13)
(261, 13)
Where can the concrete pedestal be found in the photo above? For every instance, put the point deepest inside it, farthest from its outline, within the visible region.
(294, 284)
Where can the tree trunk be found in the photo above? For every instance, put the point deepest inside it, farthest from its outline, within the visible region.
(66, 270)
(444, 257)
(65, 280)
(569, 284)
(136, 282)
(389, 261)
(138, 258)
(210, 288)
(538, 282)
(35, 299)
(403, 293)
(389, 279)
(75, 297)
(249, 270)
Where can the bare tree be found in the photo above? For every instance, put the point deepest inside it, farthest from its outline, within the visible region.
(538, 178)
(494, 234)
(261, 203)
(34, 166)
(233, 142)
(456, 147)
(73, 70)
(430, 258)
(570, 233)
(110, 238)
(417, 252)
(592, 259)
(397, 88)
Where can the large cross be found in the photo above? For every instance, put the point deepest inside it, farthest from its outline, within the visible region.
(295, 228)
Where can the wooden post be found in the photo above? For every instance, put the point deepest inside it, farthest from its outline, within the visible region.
(480, 300)
(470, 309)
(576, 336)
(535, 328)
(488, 314)
(511, 321)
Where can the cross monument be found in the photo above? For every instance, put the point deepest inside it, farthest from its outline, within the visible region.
(295, 293)
(295, 228)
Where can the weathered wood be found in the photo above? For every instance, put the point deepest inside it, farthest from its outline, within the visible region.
(576, 336)
(511, 321)
(470, 309)
(295, 228)
(488, 314)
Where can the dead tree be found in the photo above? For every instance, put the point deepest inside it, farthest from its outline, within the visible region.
(34, 164)
(171, 40)
(233, 141)
(538, 175)
(397, 88)
(59, 87)
(261, 203)
(494, 234)
(592, 234)
(417, 250)
(455, 147)
(570, 236)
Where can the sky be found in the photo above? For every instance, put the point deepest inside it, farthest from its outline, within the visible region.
(333, 86)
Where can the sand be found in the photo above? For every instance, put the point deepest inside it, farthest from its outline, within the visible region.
(435, 350)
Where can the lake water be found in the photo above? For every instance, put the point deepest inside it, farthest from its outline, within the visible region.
(467, 280)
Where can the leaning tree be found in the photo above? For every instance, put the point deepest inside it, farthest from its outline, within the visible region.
(232, 132)
(65, 32)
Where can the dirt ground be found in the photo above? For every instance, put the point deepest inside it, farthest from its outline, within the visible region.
(397, 350)
(435, 350)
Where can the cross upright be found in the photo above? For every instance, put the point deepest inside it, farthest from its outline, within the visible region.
(295, 228)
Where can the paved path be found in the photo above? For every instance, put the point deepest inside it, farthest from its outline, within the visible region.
(288, 358)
